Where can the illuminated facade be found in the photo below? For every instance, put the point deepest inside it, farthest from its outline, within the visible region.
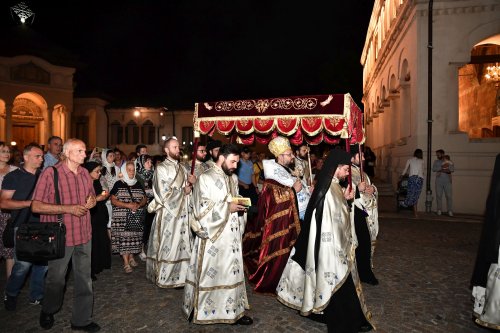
(466, 40)
(37, 101)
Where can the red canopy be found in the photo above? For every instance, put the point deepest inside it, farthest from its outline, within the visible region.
(315, 118)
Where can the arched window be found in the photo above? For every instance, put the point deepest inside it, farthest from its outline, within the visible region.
(148, 133)
(116, 133)
(132, 133)
(393, 84)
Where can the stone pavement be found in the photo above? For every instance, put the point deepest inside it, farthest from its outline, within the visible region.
(424, 266)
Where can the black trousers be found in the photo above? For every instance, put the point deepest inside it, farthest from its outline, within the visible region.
(364, 249)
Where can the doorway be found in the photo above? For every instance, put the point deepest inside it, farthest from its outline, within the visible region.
(24, 134)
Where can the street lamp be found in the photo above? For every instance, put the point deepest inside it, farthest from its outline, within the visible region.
(23, 12)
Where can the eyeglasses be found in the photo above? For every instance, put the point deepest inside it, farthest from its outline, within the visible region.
(288, 154)
(201, 150)
(4, 151)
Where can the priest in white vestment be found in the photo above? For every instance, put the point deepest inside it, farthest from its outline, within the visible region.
(170, 241)
(215, 289)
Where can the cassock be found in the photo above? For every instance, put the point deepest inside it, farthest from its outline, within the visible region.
(485, 280)
(170, 241)
(215, 289)
(270, 237)
(366, 226)
(320, 276)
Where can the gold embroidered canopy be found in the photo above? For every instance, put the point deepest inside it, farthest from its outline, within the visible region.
(314, 118)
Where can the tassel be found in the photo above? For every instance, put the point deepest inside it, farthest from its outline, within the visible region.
(344, 134)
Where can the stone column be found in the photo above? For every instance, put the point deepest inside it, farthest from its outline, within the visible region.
(8, 123)
(452, 100)
(50, 124)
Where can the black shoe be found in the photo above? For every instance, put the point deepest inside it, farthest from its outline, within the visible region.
(245, 320)
(46, 320)
(373, 281)
(365, 328)
(10, 302)
(93, 277)
(92, 327)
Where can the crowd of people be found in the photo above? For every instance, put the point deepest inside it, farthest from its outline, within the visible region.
(300, 227)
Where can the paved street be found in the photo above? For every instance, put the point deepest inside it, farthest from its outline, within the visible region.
(423, 265)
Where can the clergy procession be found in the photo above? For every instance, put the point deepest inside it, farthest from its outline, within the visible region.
(307, 241)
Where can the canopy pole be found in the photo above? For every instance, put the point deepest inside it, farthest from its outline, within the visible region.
(348, 149)
(360, 161)
(310, 168)
(195, 150)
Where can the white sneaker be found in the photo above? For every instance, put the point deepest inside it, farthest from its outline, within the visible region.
(142, 256)
(438, 212)
(450, 213)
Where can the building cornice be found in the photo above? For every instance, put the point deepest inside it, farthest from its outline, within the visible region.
(403, 21)
(403, 17)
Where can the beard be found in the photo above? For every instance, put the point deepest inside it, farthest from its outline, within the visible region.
(174, 156)
(227, 170)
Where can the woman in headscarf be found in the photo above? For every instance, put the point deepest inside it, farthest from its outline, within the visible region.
(128, 199)
(487, 297)
(101, 248)
(321, 277)
(110, 173)
(144, 174)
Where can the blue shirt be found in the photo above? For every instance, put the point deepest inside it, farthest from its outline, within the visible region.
(49, 160)
(245, 171)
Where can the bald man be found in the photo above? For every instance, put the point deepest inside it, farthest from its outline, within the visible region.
(77, 198)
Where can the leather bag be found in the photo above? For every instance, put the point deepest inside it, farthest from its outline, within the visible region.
(40, 241)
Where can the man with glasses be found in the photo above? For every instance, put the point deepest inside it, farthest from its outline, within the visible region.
(270, 237)
(199, 165)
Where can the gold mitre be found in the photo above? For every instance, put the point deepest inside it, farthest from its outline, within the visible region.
(279, 145)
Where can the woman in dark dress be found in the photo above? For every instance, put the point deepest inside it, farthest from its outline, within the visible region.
(101, 246)
(144, 174)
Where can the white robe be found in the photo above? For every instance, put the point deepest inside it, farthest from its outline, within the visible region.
(215, 285)
(310, 290)
(170, 241)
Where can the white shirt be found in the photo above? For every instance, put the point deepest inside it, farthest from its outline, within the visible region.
(415, 167)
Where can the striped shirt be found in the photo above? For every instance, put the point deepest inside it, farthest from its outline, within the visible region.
(73, 190)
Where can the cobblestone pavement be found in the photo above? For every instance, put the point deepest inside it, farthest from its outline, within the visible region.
(424, 266)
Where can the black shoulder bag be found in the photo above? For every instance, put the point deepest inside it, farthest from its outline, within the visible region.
(40, 241)
(135, 220)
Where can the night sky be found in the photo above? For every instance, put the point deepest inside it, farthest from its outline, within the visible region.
(176, 53)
